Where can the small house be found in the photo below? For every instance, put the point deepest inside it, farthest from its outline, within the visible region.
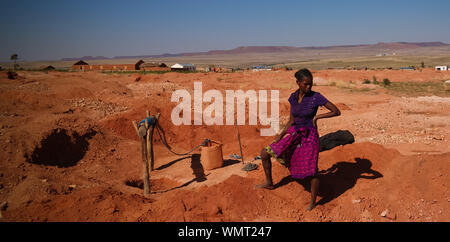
(116, 67)
(80, 65)
(138, 65)
(182, 67)
(407, 68)
(47, 68)
(154, 66)
(262, 68)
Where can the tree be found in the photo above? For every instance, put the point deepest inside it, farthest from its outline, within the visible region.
(14, 57)
(422, 64)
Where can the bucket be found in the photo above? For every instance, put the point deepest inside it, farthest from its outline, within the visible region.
(211, 156)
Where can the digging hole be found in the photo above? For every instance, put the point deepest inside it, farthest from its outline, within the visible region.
(135, 183)
(61, 148)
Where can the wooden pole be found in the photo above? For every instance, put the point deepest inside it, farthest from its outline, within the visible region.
(152, 156)
(149, 138)
(147, 149)
(135, 126)
(146, 176)
(146, 169)
(240, 146)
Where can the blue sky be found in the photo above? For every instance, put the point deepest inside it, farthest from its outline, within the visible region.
(50, 30)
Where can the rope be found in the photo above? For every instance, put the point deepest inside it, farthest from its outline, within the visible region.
(164, 141)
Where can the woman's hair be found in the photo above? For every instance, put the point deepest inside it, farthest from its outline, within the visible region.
(302, 74)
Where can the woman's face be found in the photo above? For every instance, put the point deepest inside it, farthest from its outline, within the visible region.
(305, 84)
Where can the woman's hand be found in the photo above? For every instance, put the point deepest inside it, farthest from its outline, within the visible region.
(315, 121)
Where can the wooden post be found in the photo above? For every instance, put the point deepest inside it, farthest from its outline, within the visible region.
(240, 146)
(152, 157)
(146, 177)
(147, 148)
(135, 126)
(146, 170)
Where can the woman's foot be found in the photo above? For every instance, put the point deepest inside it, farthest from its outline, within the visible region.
(265, 185)
(311, 206)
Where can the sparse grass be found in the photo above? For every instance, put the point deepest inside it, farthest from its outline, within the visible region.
(374, 80)
(418, 89)
(350, 87)
(361, 90)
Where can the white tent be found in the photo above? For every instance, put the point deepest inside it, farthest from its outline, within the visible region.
(183, 66)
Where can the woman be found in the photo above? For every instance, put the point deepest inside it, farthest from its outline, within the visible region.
(297, 146)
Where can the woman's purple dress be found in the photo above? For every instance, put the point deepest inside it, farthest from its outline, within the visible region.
(299, 149)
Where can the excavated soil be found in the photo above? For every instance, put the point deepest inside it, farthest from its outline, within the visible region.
(71, 154)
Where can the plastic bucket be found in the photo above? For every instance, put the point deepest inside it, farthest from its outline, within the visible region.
(211, 156)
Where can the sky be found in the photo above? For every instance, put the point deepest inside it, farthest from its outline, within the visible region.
(51, 30)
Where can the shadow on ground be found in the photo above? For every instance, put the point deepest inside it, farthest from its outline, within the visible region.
(337, 179)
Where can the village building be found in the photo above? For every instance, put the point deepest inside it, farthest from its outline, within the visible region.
(408, 68)
(182, 67)
(154, 66)
(441, 68)
(80, 66)
(47, 68)
(262, 68)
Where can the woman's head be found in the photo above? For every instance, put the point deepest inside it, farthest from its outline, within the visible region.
(304, 80)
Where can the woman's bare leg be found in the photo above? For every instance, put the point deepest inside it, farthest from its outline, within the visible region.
(314, 191)
(267, 164)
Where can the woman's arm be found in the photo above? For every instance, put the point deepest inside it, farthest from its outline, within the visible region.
(334, 111)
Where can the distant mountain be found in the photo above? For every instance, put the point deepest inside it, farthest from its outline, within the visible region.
(147, 56)
(245, 50)
(276, 49)
(86, 58)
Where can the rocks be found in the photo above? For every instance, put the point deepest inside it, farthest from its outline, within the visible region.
(98, 105)
(384, 213)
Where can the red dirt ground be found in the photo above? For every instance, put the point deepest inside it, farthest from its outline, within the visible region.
(71, 154)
